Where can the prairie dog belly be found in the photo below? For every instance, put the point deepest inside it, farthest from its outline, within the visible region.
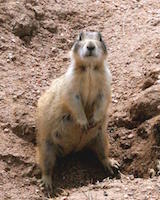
(69, 137)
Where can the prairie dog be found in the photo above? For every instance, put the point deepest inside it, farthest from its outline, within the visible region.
(72, 113)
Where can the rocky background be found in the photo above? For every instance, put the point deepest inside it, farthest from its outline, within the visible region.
(35, 38)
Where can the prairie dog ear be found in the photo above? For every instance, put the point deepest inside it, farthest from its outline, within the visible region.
(80, 36)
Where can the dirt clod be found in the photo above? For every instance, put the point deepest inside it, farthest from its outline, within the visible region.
(151, 78)
(145, 106)
(51, 26)
(152, 173)
(25, 27)
(142, 132)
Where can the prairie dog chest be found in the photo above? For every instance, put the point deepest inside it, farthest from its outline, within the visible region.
(90, 84)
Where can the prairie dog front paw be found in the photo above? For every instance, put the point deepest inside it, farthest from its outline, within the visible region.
(83, 124)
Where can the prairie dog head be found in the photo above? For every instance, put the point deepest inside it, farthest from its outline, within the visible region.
(89, 48)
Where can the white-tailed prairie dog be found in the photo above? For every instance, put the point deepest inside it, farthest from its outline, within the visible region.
(72, 113)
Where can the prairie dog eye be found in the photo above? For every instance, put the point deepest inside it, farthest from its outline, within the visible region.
(100, 37)
(80, 37)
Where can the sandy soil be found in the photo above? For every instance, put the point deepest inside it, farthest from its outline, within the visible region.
(35, 38)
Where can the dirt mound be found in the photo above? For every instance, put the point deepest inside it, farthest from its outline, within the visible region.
(146, 106)
(25, 27)
(151, 78)
(137, 133)
(23, 124)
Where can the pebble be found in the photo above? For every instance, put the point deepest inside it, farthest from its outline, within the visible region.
(125, 145)
(37, 190)
(126, 196)
(65, 59)
(115, 101)
(105, 193)
(130, 136)
(118, 189)
(6, 130)
(158, 81)
(97, 182)
(131, 177)
(157, 55)
(123, 137)
(152, 173)
(13, 40)
(11, 56)
(130, 194)
(158, 167)
(7, 169)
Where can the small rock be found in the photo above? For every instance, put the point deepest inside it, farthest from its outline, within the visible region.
(156, 131)
(152, 173)
(7, 169)
(158, 162)
(50, 26)
(118, 189)
(145, 106)
(26, 26)
(97, 182)
(125, 145)
(54, 49)
(115, 101)
(158, 81)
(130, 136)
(63, 40)
(130, 158)
(65, 59)
(131, 177)
(158, 173)
(155, 22)
(11, 57)
(142, 132)
(148, 83)
(6, 130)
(126, 196)
(104, 180)
(130, 194)
(2, 39)
(157, 55)
(105, 193)
(37, 190)
(158, 167)
(123, 137)
(39, 13)
(13, 40)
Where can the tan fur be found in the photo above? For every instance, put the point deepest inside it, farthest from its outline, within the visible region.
(85, 95)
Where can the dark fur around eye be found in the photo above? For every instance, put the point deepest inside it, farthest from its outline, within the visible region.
(104, 46)
(80, 36)
(100, 37)
(103, 43)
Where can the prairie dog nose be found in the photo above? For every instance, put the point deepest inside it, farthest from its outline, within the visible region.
(90, 46)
